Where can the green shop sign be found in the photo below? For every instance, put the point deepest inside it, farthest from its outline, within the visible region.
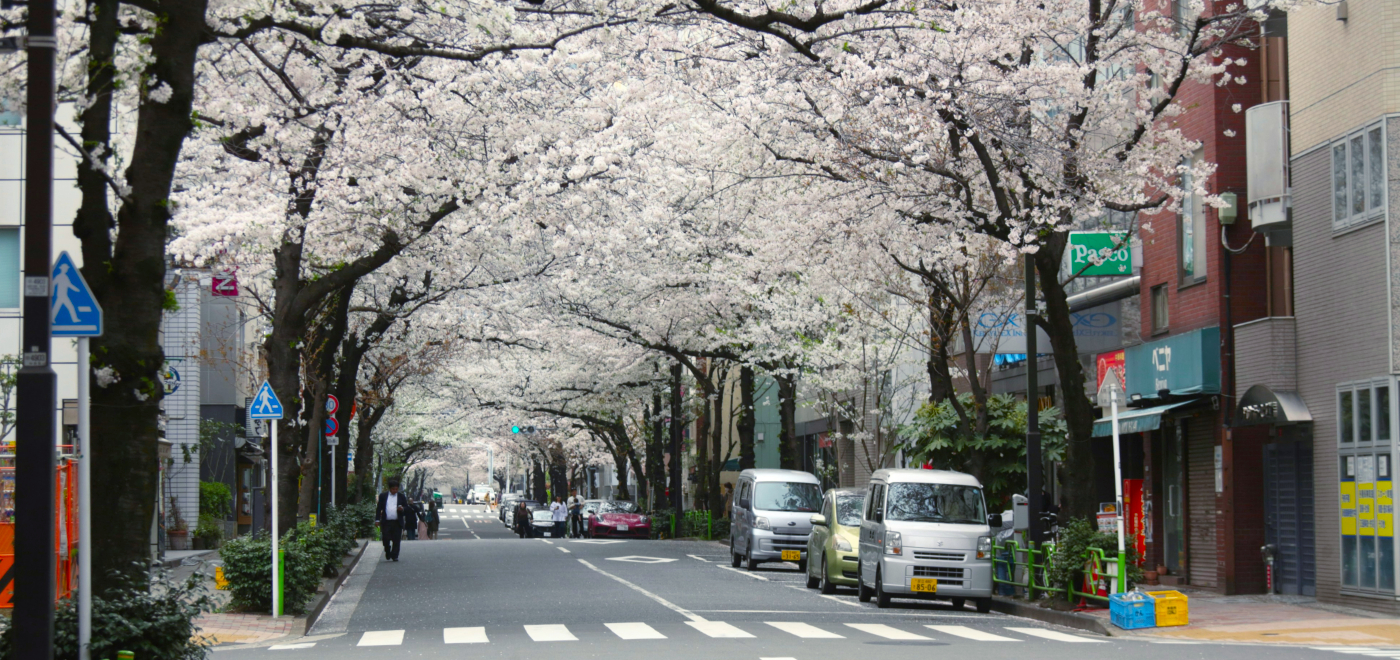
(1109, 249)
(1182, 365)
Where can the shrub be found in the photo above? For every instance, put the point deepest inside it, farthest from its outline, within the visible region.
(214, 499)
(154, 622)
(249, 572)
(210, 529)
(323, 546)
(1072, 550)
(353, 521)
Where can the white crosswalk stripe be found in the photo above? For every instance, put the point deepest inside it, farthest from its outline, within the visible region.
(550, 633)
(1054, 635)
(464, 635)
(803, 630)
(971, 633)
(718, 629)
(381, 638)
(634, 631)
(291, 647)
(882, 630)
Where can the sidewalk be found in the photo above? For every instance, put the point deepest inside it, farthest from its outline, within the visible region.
(1271, 620)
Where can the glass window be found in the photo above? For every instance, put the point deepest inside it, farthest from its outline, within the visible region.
(1383, 414)
(1187, 227)
(787, 496)
(938, 503)
(1159, 308)
(848, 510)
(9, 267)
(1345, 427)
(1348, 503)
(1385, 524)
(1358, 176)
(1376, 181)
(1339, 184)
(1363, 415)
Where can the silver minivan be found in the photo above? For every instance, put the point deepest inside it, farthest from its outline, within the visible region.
(772, 516)
(926, 535)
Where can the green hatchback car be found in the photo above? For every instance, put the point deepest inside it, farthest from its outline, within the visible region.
(832, 548)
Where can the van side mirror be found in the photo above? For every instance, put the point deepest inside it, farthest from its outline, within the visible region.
(818, 519)
(994, 520)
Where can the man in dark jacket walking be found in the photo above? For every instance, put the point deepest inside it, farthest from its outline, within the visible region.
(389, 515)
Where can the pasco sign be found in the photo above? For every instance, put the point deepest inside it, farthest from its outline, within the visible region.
(1099, 253)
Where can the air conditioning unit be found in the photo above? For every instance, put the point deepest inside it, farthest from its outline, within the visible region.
(1266, 151)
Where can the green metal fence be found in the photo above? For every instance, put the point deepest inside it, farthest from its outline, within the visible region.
(1034, 561)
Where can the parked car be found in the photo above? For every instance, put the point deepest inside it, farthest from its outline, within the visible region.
(772, 517)
(507, 505)
(590, 509)
(926, 534)
(541, 523)
(832, 549)
(619, 518)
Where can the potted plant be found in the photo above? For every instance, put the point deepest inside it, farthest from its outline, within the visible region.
(179, 531)
(208, 534)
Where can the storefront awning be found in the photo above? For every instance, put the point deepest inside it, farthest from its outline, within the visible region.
(1261, 405)
(1135, 420)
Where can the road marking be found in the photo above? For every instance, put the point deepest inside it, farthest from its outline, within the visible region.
(971, 633)
(699, 558)
(803, 630)
(777, 659)
(718, 629)
(464, 523)
(882, 630)
(550, 633)
(290, 647)
(464, 636)
(664, 603)
(1054, 635)
(638, 559)
(381, 638)
(634, 631)
(548, 541)
(840, 600)
(731, 568)
(565, 550)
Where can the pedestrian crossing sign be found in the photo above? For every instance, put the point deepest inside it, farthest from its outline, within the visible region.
(265, 404)
(73, 310)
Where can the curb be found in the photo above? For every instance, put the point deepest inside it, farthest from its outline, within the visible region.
(173, 563)
(1075, 620)
(315, 611)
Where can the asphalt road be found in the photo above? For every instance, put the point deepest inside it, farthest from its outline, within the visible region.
(480, 592)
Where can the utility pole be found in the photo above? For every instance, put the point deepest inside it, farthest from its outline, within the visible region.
(1034, 467)
(36, 384)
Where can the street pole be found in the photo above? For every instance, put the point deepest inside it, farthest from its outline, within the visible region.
(1034, 468)
(334, 467)
(36, 400)
(1118, 491)
(84, 503)
(276, 596)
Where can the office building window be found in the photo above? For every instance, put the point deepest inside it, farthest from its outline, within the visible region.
(1159, 308)
(1358, 177)
(1366, 492)
(9, 267)
(1191, 228)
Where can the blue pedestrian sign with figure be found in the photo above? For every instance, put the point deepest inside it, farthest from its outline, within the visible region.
(73, 310)
(265, 404)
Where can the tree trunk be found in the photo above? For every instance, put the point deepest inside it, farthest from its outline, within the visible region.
(537, 480)
(128, 279)
(656, 451)
(1079, 499)
(719, 454)
(790, 446)
(746, 418)
(677, 451)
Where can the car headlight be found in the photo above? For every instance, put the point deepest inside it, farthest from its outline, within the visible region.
(644, 521)
(760, 522)
(894, 543)
(842, 544)
(984, 547)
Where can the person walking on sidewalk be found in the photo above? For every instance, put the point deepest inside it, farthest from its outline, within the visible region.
(559, 514)
(433, 518)
(522, 519)
(389, 516)
(575, 514)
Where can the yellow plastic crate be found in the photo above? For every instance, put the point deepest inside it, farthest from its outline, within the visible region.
(1171, 608)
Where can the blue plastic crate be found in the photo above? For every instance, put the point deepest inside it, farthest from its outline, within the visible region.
(1132, 614)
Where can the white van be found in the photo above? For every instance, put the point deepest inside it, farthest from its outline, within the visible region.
(926, 535)
(772, 517)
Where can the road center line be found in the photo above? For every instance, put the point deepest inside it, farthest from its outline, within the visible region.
(731, 568)
(565, 550)
(662, 601)
(699, 558)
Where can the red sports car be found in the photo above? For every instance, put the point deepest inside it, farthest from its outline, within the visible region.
(616, 518)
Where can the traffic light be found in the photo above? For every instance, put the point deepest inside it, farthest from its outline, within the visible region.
(522, 429)
(515, 429)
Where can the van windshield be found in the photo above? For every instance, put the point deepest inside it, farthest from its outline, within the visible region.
(787, 496)
(941, 503)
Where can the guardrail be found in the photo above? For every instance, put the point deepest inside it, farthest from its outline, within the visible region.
(1028, 568)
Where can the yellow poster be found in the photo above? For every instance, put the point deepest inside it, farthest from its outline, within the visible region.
(1366, 495)
(1385, 499)
(1348, 501)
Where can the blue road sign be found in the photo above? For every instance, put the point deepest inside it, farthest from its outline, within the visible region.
(332, 426)
(73, 310)
(265, 404)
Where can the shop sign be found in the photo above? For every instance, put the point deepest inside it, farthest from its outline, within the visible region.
(1111, 361)
(1001, 331)
(1183, 364)
(1099, 253)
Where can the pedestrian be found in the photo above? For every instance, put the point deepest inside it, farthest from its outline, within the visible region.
(728, 498)
(389, 516)
(410, 520)
(522, 519)
(558, 513)
(433, 520)
(575, 504)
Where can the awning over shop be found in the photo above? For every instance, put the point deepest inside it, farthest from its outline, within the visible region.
(1135, 420)
(1261, 405)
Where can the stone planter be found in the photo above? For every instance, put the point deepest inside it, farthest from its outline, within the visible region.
(179, 539)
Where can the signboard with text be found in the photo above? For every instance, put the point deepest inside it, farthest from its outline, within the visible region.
(1001, 331)
(1099, 253)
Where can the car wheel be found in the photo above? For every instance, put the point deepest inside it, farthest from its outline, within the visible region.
(735, 560)
(826, 586)
(882, 599)
(751, 563)
(984, 605)
(958, 603)
(863, 592)
(812, 580)
(802, 565)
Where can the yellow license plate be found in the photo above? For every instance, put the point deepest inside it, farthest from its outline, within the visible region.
(924, 585)
(792, 555)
